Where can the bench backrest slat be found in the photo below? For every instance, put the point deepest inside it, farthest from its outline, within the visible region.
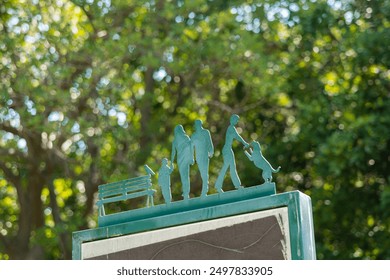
(125, 197)
(128, 182)
(124, 190)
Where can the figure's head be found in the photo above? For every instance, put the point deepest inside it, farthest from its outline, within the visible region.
(234, 119)
(164, 161)
(198, 124)
(256, 145)
(179, 130)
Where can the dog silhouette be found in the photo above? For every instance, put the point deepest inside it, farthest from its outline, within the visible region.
(260, 162)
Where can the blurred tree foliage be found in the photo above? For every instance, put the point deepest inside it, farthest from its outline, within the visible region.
(91, 90)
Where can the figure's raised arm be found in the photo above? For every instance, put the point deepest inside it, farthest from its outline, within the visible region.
(239, 138)
(248, 155)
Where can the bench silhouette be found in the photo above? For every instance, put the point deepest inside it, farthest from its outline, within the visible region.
(124, 190)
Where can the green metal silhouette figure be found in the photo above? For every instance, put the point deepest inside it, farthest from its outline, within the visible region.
(204, 150)
(228, 155)
(164, 180)
(260, 162)
(185, 157)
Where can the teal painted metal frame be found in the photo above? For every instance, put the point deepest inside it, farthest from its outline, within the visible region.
(299, 213)
(265, 189)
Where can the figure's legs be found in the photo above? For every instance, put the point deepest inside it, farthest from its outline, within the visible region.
(221, 176)
(204, 174)
(267, 176)
(264, 176)
(234, 175)
(185, 181)
(166, 192)
(228, 160)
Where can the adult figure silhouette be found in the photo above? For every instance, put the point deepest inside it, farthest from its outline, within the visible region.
(228, 155)
(204, 150)
(185, 157)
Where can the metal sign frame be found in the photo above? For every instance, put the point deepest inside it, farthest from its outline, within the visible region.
(213, 207)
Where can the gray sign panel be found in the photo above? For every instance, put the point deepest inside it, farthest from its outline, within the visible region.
(258, 235)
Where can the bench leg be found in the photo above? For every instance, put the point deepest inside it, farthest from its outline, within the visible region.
(149, 201)
(101, 211)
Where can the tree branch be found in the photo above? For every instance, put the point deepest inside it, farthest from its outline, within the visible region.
(11, 177)
(8, 173)
(57, 219)
(6, 242)
(14, 153)
(10, 129)
(221, 106)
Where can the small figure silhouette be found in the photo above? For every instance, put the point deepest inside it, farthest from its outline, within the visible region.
(204, 150)
(185, 157)
(228, 155)
(260, 162)
(164, 180)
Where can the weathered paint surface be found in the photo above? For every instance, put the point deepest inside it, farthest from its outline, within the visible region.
(300, 219)
(187, 205)
(257, 235)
